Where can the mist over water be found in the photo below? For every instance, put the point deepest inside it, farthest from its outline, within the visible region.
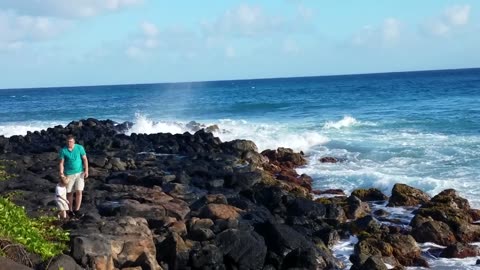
(418, 128)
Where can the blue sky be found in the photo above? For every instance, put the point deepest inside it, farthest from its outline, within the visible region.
(89, 42)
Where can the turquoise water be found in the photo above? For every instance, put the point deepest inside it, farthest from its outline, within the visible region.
(419, 128)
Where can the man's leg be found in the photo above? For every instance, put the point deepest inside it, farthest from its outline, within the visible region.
(78, 200)
(70, 186)
(70, 200)
(78, 191)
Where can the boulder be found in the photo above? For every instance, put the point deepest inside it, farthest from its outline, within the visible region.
(220, 211)
(63, 262)
(304, 258)
(371, 194)
(460, 250)
(355, 208)
(432, 231)
(174, 251)
(242, 249)
(207, 257)
(403, 195)
(454, 211)
(8, 264)
(125, 241)
(328, 160)
(406, 250)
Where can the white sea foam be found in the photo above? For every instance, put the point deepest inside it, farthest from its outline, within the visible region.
(378, 157)
(269, 136)
(343, 249)
(347, 121)
(142, 124)
(21, 128)
(265, 136)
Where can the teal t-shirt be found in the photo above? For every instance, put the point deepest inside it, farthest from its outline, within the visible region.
(72, 159)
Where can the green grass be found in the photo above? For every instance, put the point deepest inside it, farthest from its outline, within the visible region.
(3, 170)
(39, 235)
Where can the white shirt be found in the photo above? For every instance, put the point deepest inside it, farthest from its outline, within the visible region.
(61, 192)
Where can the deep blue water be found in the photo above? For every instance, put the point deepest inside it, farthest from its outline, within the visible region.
(420, 128)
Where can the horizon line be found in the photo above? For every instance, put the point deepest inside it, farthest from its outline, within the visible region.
(251, 79)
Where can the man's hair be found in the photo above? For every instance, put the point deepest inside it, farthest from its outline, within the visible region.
(70, 137)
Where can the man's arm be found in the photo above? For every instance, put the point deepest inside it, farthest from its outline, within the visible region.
(60, 166)
(85, 165)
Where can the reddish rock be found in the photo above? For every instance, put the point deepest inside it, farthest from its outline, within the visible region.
(220, 211)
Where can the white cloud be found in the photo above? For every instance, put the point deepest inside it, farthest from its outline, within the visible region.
(290, 46)
(66, 9)
(135, 52)
(149, 29)
(437, 28)
(391, 30)
(388, 33)
(444, 25)
(304, 12)
(457, 15)
(230, 52)
(174, 40)
(17, 29)
(244, 20)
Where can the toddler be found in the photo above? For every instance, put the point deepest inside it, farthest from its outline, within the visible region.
(61, 197)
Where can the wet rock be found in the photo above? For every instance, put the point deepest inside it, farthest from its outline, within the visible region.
(380, 213)
(403, 195)
(371, 194)
(355, 208)
(406, 250)
(329, 191)
(328, 160)
(242, 146)
(460, 250)
(373, 263)
(430, 230)
(449, 208)
(366, 224)
(285, 157)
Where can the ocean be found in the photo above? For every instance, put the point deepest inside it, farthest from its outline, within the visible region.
(417, 128)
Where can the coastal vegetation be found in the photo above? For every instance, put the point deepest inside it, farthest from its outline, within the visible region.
(17, 230)
(3, 172)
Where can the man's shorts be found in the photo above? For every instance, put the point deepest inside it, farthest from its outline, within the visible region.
(76, 182)
(62, 204)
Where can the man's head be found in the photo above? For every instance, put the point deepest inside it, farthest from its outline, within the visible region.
(70, 141)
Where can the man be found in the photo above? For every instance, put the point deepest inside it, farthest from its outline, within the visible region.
(74, 165)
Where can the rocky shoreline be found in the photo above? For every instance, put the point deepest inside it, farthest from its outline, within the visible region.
(190, 201)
